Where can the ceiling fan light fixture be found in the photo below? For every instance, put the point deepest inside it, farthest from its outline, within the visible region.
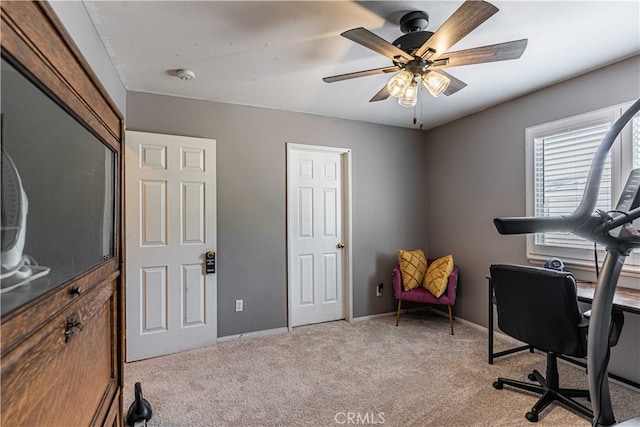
(410, 96)
(399, 83)
(435, 83)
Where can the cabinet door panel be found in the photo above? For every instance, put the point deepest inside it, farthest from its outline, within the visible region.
(67, 370)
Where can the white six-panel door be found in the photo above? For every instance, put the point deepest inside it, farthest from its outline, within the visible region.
(316, 238)
(170, 198)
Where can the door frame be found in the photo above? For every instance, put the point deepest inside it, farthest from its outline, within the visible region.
(347, 259)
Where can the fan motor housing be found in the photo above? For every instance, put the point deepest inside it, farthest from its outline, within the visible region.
(412, 41)
(414, 21)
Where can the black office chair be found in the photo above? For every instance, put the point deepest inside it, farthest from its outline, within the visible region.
(539, 306)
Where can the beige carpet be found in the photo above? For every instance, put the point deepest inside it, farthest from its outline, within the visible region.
(341, 373)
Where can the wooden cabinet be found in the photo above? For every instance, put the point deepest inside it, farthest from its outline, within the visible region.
(62, 335)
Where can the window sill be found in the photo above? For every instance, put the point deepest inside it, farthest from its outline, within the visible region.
(585, 270)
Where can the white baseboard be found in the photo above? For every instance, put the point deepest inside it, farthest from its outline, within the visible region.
(252, 334)
(496, 333)
(372, 316)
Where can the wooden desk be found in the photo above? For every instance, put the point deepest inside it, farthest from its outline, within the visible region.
(625, 299)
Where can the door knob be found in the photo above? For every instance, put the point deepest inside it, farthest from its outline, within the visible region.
(340, 245)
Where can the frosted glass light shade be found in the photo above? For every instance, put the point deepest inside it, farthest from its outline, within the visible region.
(399, 83)
(435, 83)
(410, 96)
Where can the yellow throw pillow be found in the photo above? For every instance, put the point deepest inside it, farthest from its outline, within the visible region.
(413, 265)
(437, 277)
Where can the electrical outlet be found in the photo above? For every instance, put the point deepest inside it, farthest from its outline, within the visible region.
(239, 304)
(379, 289)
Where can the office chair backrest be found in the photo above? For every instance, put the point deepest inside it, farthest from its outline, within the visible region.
(540, 307)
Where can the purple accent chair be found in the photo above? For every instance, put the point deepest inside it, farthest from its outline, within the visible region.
(422, 295)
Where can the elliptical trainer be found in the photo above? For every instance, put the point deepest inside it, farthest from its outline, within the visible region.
(615, 230)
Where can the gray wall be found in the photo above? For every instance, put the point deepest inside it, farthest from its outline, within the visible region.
(388, 201)
(476, 169)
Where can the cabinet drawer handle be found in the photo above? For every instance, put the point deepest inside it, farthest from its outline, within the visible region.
(73, 326)
(76, 290)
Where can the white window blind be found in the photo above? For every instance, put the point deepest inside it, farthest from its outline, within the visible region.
(561, 166)
(636, 142)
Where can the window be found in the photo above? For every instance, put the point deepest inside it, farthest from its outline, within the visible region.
(559, 156)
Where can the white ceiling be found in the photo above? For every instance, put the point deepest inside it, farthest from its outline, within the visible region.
(274, 54)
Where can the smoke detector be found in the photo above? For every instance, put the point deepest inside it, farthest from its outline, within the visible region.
(186, 74)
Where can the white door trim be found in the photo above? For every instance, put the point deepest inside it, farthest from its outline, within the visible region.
(347, 274)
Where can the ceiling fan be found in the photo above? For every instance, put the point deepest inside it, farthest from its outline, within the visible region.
(421, 56)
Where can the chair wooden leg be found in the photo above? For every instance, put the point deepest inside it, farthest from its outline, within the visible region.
(398, 317)
(450, 319)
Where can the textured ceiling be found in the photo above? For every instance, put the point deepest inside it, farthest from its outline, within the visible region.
(274, 54)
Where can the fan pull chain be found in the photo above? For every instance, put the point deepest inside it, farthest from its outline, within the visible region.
(415, 109)
(420, 107)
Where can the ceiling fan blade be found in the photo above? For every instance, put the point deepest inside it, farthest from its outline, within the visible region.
(454, 84)
(361, 74)
(464, 20)
(367, 39)
(478, 55)
(381, 95)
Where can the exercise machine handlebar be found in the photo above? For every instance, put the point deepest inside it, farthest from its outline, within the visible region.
(582, 214)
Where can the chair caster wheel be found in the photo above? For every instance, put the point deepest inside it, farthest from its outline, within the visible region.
(532, 416)
(498, 385)
(531, 377)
